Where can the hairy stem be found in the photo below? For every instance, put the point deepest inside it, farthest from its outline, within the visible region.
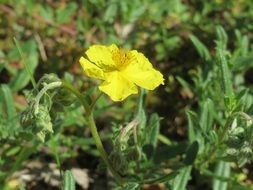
(94, 131)
(101, 149)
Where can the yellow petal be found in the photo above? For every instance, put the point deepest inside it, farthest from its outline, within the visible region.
(141, 72)
(113, 48)
(91, 69)
(102, 56)
(117, 87)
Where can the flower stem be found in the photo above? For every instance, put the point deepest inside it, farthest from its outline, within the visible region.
(94, 131)
(101, 149)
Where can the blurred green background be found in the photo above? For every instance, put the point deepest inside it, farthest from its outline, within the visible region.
(54, 34)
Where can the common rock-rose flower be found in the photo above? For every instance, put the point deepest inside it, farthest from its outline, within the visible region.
(122, 71)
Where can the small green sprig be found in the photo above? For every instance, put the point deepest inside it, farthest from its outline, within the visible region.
(240, 139)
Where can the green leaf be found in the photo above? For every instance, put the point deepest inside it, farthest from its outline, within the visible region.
(222, 169)
(131, 186)
(46, 12)
(63, 15)
(225, 73)
(243, 63)
(13, 151)
(242, 44)
(111, 12)
(9, 102)
(53, 146)
(68, 181)
(154, 127)
(182, 178)
(201, 48)
(184, 83)
(206, 116)
(222, 37)
(30, 59)
(141, 116)
(168, 152)
(191, 153)
(68, 77)
(160, 179)
(192, 125)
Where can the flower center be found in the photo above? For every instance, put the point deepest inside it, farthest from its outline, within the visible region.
(120, 58)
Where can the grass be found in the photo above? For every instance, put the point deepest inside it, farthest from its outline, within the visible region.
(194, 132)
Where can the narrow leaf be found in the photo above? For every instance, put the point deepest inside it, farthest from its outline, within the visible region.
(154, 129)
(9, 102)
(182, 178)
(168, 152)
(225, 74)
(141, 116)
(200, 47)
(63, 15)
(192, 153)
(184, 83)
(69, 181)
(223, 170)
(131, 186)
(222, 37)
(206, 117)
(243, 63)
(192, 122)
(29, 69)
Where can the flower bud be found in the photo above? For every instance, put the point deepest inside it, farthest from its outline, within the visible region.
(39, 122)
(119, 162)
(43, 119)
(26, 118)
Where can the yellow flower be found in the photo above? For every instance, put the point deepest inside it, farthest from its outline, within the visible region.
(121, 71)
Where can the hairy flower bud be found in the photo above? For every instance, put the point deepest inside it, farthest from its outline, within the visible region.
(26, 118)
(39, 122)
(43, 119)
(119, 162)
